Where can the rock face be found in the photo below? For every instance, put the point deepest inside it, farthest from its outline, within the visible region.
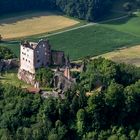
(26, 76)
(8, 64)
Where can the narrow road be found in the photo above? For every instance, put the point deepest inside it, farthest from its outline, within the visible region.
(87, 25)
(79, 27)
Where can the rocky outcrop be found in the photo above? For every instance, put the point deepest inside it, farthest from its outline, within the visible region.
(26, 76)
(8, 64)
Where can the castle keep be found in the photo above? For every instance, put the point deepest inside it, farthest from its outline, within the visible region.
(35, 55)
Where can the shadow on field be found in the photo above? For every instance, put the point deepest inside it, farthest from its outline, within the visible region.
(13, 19)
(121, 21)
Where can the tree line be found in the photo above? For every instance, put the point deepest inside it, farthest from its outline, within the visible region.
(83, 9)
(6, 53)
(111, 113)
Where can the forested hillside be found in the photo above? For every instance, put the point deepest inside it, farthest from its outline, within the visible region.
(83, 9)
(110, 114)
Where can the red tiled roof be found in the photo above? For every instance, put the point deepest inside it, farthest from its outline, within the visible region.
(33, 90)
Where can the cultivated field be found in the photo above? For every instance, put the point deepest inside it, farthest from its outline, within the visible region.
(33, 23)
(129, 25)
(90, 41)
(126, 55)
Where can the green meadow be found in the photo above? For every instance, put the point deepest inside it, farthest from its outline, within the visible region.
(130, 25)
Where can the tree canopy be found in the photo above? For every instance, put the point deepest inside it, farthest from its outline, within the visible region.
(108, 114)
(6, 53)
(83, 9)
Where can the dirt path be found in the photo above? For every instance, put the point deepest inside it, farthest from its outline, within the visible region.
(87, 25)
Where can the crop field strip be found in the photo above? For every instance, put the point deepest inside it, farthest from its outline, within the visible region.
(34, 23)
(126, 55)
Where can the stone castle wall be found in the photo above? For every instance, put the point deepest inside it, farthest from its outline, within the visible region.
(58, 58)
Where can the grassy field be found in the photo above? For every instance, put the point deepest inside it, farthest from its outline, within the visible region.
(33, 23)
(89, 41)
(92, 41)
(128, 25)
(10, 77)
(126, 55)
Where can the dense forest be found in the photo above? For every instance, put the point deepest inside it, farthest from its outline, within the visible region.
(83, 9)
(111, 113)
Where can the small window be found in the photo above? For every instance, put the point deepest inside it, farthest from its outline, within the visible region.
(38, 61)
(23, 58)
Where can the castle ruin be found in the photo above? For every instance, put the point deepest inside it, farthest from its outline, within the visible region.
(35, 55)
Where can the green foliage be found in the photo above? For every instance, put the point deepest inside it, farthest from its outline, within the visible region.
(109, 114)
(6, 53)
(114, 95)
(82, 9)
(80, 121)
(44, 76)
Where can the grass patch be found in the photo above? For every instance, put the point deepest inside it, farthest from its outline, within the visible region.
(91, 41)
(128, 55)
(128, 25)
(10, 77)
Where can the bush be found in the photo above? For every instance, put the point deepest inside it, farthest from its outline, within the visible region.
(5, 53)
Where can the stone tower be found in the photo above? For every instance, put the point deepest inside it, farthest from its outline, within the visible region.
(67, 68)
(67, 73)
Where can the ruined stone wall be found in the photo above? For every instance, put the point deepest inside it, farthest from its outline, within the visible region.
(61, 82)
(42, 54)
(58, 58)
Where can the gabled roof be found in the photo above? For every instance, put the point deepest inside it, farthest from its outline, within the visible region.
(33, 90)
(32, 45)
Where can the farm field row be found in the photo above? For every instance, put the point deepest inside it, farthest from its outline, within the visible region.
(127, 55)
(34, 23)
(128, 25)
(88, 41)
